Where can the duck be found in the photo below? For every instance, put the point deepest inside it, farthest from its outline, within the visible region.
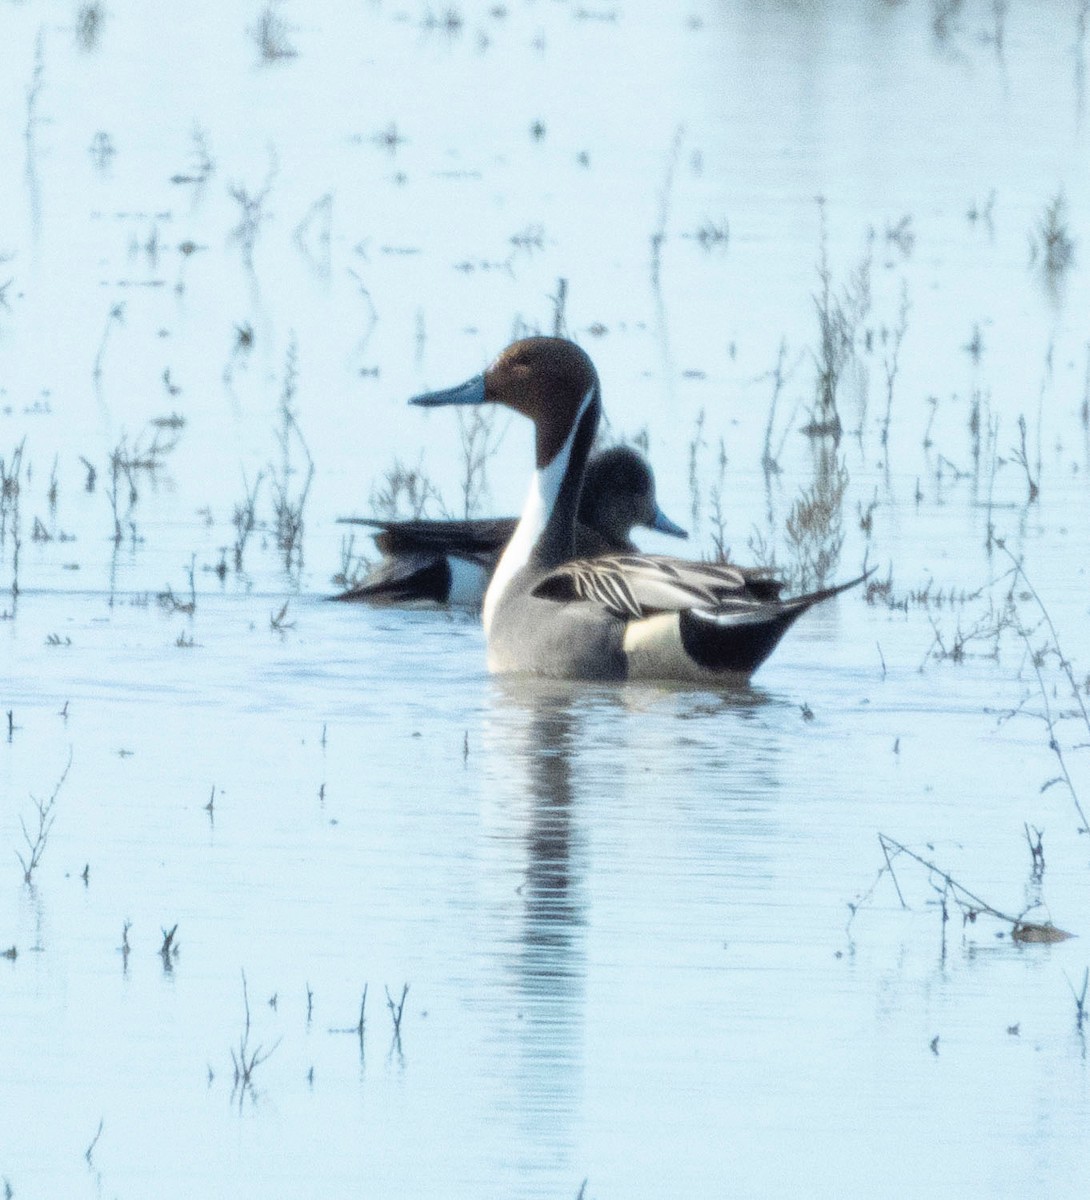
(451, 562)
(548, 612)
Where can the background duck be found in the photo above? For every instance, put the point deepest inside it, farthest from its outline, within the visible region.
(451, 562)
(547, 612)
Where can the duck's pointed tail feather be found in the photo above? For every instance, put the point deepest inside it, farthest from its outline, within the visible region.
(802, 603)
(739, 641)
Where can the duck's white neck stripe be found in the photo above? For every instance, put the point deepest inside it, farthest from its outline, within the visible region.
(540, 500)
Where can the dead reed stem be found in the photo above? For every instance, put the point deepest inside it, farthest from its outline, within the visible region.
(971, 905)
(1037, 659)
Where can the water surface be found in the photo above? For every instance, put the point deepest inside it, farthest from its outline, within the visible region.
(624, 914)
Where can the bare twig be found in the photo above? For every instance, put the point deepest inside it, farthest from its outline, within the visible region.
(396, 1009)
(94, 1141)
(970, 904)
(1037, 659)
(46, 816)
(246, 1061)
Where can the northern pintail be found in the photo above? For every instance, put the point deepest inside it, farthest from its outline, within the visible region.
(451, 562)
(622, 617)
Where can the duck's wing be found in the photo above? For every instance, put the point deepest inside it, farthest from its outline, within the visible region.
(403, 578)
(632, 586)
(477, 539)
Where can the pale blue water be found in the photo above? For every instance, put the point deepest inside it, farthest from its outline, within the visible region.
(622, 912)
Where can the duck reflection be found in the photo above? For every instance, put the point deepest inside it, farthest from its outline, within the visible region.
(541, 719)
(534, 800)
(550, 747)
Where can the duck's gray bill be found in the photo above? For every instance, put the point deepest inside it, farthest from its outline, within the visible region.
(470, 392)
(664, 525)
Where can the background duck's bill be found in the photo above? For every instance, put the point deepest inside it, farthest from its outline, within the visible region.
(664, 525)
(470, 392)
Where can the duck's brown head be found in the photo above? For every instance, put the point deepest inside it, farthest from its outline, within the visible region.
(546, 379)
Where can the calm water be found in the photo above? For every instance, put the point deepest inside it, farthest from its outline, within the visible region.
(622, 913)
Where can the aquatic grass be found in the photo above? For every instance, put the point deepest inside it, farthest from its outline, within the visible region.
(449, 22)
(696, 444)
(313, 235)
(717, 511)
(840, 315)
(1035, 840)
(891, 364)
(278, 621)
(169, 949)
(986, 630)
(1084, 407)
(479, 444)
(116, 316)
(1039, 657)
(1020, 455)
(902, 235)
(244, 518)
(711, 235)
(1082, 24)
(30, 135)
(397, 1008)
(658, 234)
(360, 1026)
(170, 603)
(94, 1141)
(203, 162)
(252, 214)
(926, 596)
(289, 504)
(11, 487)
(89, 22)
(866, 516)
(405, 490)
(770, 463)
(1051, 243)
(247, 1060)
(46, 815)
(814, 528)
(353, 565)
(560, 300)
(92, 474)
(122, 493)
(125, 949)
(1080, 999)
(271, 33)
(102, 150)
(54, 488)
(984, 213)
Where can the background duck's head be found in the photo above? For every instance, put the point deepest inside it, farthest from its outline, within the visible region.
(619, 494)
